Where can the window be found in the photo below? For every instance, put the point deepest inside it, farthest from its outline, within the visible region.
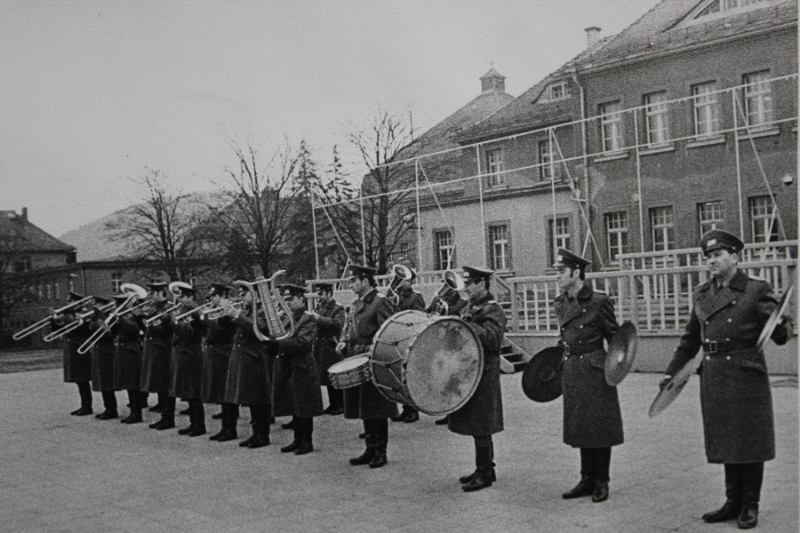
(757, 98)
(494, 166)
(56, 291)
(706, 109)
(444, 250)
(22, 264)
(724, 6)
(48, 294)
(617, 234)
(116, 282)
(559, 236)
(71, 283)
(558, 91)
(709, 216)
(500, 247)
(657, 125)
(663, 227)
(763, 219)
(611, 126)
(545, 157)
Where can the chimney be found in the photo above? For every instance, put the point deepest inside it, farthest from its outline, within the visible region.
(592, 36)
(493, 81)
(24, 215)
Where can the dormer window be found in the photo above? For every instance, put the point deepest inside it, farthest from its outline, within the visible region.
(723, 8)
(557, 91)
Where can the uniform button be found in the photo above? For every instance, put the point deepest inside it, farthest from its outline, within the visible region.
(708, 357)
(706, 322)
(730, 320)
(734, 302)
(581, 326)
(728, 358)
(584, 310)
(727, 340)
(708, 340)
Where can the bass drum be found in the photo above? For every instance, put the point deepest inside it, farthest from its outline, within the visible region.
(429, 362)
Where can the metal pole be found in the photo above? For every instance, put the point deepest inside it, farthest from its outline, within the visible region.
(480, 193)
(363, 235)
(639, 179)
(314, 224)
(418, 220)
(738, 167)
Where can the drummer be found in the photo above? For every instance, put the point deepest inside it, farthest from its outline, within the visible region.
(592, 418)
(365, 401)
(728, 315)
(482, 415)
(410, 300)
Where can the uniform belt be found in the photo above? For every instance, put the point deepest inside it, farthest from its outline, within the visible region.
(579, 349)
(713, 347)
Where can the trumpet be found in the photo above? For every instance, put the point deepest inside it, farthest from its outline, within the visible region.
(134, 292)
(75, 324)
(211, 312)
(57, 313)
(273, 306)
(453, 284)
(400, 273)
(175, 289)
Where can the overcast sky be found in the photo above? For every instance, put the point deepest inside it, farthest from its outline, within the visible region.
(92, 92)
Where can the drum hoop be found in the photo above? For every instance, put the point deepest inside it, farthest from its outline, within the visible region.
(431, 320)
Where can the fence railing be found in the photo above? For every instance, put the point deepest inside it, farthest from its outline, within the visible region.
(658, 300)
(753, 252)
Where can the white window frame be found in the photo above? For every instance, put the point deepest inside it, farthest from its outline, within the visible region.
(617, 233)
(494, 167)
(545, 157)
(710, 215)
(116, 282)
(656, 114)
(500, 246)
(559, 235)
(611, 126)
(445, 251)
(763, 213)
(757, 96)
(705, 101)
(662, 227)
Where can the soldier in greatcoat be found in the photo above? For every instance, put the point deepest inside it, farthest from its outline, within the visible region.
(368, 312)
(248, 382)
(128, 362)
(330, 318)
(77, 367)
(592, 416)
(408, 299)
(103, 363)
(186, 371)
(217, 344)
(296, 389)
(156, 354)
(729, 313)
(482, 416)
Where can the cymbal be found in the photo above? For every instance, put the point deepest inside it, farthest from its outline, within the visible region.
(774, 318)
(674, 386)
(541, 379)
(621, 353)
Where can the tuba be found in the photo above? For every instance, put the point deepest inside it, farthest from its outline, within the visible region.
(453, 283)
(275, 309)
(400, 273)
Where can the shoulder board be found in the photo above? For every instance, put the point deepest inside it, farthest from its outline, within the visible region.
(492, 302)
(598, 291)
(754, 278)
(380, 295)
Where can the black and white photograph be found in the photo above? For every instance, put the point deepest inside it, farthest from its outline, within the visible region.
(399, 267)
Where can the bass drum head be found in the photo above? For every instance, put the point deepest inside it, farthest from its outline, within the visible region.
(444, 366)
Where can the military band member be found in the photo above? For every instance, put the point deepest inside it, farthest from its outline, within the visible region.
(156, 355)
(103, 364)
(186, 371)
(77, 367)
(128, 361)
(482, 416)
(216, 355)
(365, 401)
(729, 312)
(248, 382)
(409, 299)
(296, 389)
(330, 318)
(592, 417)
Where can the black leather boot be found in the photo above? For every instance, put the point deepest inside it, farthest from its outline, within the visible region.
(289, 425)
(381, 427)
(261, 427)
(484, 472)
(135, 399)
(733, 504)
(197, 417)
(306, 445)
(602, 465)
(370, 437)
(585, 487)
(296, 442)
(441, 421)
(413, 416)
(379, 459)
(85, 392)
(110, 404)
(752, 478)
(229, 422)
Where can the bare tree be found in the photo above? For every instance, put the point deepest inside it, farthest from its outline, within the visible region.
(254, 225)
(163, 227)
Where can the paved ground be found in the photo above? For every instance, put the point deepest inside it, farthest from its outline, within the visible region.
(63, 473)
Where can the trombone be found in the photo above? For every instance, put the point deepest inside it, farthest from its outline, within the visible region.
(57, 313)
(400, 273)
(453, 284)
(134, 292)
(140, 305)
(75, 324)
(272, 304)
(174, 288)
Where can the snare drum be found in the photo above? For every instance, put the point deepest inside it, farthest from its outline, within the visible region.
(433, 363)
(351, 372)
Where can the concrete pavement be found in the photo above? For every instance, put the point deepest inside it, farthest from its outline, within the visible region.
(63, 473)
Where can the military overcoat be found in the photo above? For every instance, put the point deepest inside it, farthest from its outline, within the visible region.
(102, 360)
(156, 353)
(127, 354)
(296, 389)
(410, 300)
(735, 396)
(186, 372)
(367, 315)
(482, 415)
(592, 417)
(77, 367)
(248, 381)
(216, 355)
(329, 327)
